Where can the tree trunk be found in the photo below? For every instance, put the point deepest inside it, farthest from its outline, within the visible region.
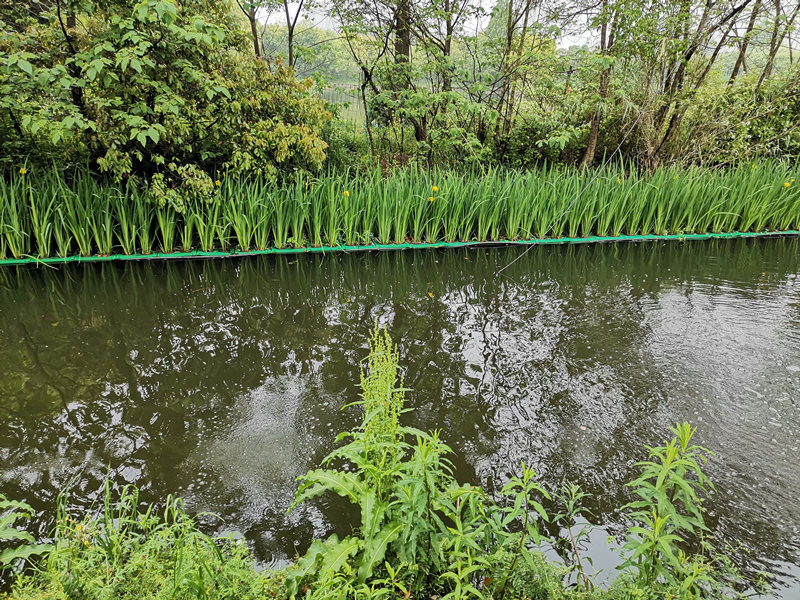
(594, 127)
(745, 42)
(606, 42)
(290, 42)
(402, 43)
(291, 23)
(447, 84)
(509, 116)
(775, 41)
(254, 32)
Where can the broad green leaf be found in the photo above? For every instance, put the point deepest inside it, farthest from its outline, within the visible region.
(10, 555)
(375, 549)
(337, 553)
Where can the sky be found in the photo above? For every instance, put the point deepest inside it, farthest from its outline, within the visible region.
(277, 16)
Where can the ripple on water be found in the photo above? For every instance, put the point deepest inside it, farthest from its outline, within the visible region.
(223, 381)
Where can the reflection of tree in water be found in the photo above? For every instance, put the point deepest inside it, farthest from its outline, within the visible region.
(164, 370)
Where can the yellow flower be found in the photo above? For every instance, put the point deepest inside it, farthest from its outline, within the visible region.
(218, 183)
(430, 199)
(619, 180)
(23, 170)
(78, 527)
(787, 184)
(346, 194)
(435, 189)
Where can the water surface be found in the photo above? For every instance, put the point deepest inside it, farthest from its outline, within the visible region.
(222, 381)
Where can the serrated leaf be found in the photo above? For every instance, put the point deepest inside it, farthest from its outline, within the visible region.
(338, 553)
(304, 566)
(16, 534)
(319, 481)
(375, 549)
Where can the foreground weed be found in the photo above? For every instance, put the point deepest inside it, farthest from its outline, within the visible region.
(18, 545)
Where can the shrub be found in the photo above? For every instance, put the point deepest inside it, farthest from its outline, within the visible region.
(156, 89)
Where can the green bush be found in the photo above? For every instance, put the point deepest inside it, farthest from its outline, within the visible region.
(156, 89)
(348, 146)
(533, 142)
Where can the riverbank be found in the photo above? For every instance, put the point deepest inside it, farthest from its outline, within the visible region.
(50, 215)
(421, 532)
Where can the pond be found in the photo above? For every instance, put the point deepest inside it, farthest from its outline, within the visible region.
(222, 381)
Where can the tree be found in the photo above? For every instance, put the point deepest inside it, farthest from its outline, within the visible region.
(162, 90)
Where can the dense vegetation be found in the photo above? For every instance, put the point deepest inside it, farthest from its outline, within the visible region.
(141, 126)
(523, 81)
(49, 215)
(135, 126)
(161, 91)
(421, 533)
(170, 92)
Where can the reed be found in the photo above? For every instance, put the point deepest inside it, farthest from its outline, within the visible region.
(50, 212)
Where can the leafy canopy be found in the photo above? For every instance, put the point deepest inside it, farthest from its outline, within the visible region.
(164, 90)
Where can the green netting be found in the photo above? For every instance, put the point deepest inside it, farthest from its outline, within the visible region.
(326, 249)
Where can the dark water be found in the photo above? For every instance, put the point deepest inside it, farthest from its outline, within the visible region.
(223, 381)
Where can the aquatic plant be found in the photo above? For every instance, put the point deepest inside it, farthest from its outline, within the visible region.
(46, 213)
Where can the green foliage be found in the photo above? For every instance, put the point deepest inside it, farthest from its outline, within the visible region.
(155, 89)
(669, 514)
(22, 545)
(318, 52)
(421, 533)
(348, 147)
(570, 498)
(135, 551)
(45, 213)
(728, 123)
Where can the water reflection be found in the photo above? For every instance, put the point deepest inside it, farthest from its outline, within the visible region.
(223, 381)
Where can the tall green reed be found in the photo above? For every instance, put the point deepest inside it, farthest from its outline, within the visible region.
(53, 212)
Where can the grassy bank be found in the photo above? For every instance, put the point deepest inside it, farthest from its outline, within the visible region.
(421, 533)
(48, 214)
